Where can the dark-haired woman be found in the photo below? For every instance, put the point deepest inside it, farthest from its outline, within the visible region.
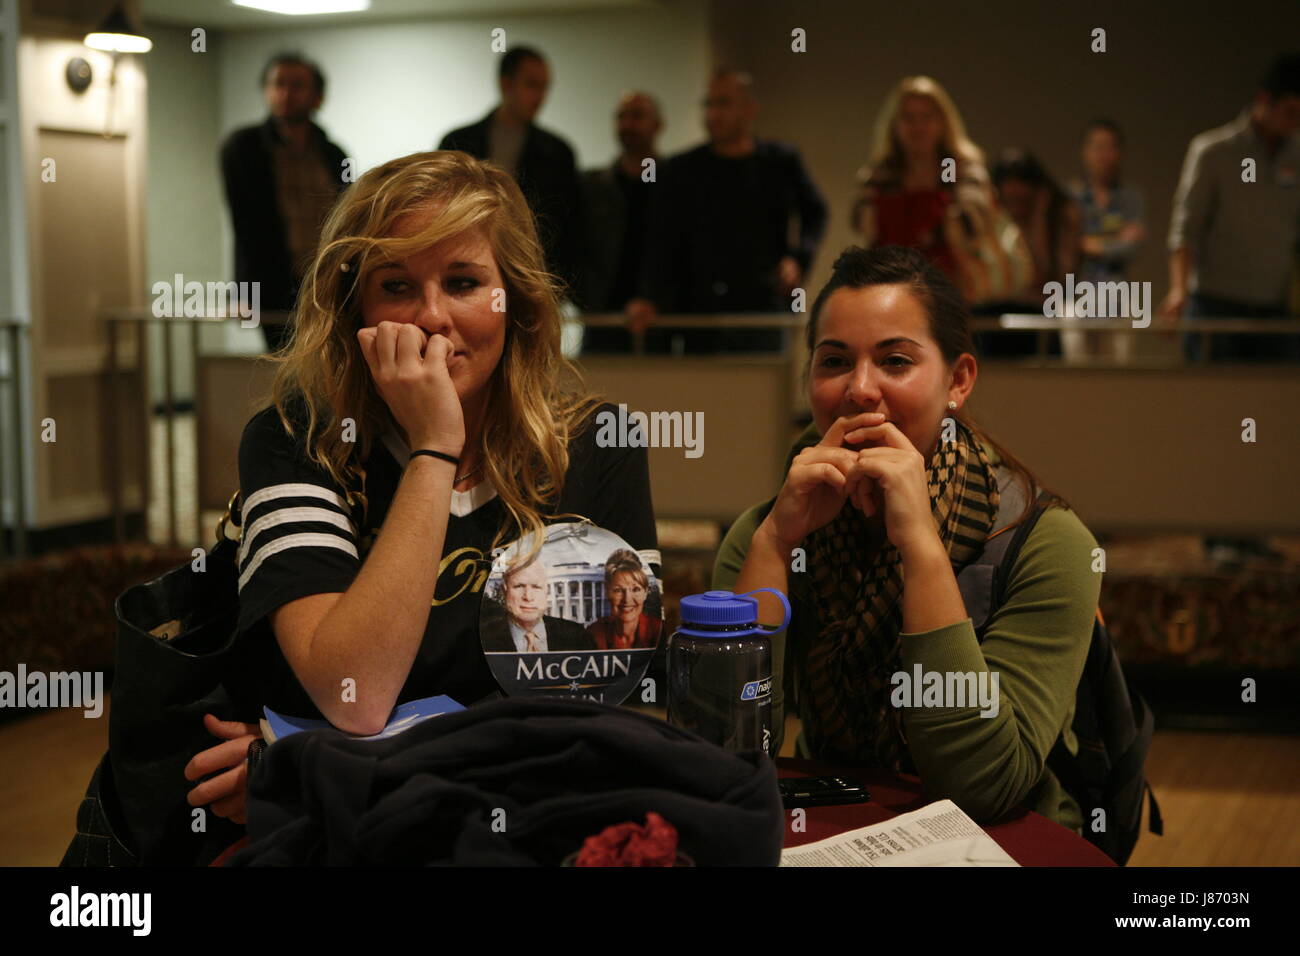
(1050, 222)
(888, 493)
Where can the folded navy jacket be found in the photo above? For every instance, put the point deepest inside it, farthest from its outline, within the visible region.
(516, 782)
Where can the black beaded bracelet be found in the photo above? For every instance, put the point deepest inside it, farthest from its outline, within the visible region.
(435, 454)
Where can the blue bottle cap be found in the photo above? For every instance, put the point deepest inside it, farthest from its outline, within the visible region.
(719, 608)
(726, 609)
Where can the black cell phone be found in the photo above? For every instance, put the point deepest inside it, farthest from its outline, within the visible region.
(821, 791)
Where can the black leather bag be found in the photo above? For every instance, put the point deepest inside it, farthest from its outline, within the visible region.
(175, 650)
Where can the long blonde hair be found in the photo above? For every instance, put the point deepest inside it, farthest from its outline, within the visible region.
(532, 411)
(886, 163)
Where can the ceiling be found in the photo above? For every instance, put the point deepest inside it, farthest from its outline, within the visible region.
(222, 14)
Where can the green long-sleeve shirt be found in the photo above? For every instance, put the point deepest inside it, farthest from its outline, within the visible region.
(1036, 643)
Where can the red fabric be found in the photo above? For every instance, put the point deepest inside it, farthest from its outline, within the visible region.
(915, 219)
(607, 633)
(229, 851)
(1030, 838)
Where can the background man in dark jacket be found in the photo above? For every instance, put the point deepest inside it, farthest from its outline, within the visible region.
(723, 223)
(540, 161)
(281, 177)
(616, 204)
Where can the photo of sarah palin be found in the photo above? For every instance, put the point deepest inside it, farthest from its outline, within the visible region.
(626, 588)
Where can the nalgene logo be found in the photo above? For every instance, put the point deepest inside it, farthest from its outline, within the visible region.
(756, 689)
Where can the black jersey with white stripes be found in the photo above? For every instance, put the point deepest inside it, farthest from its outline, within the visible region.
(301, 537)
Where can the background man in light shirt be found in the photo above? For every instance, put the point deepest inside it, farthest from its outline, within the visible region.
(1232, 242)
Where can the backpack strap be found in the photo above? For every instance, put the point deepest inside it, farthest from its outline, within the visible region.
(983, 581)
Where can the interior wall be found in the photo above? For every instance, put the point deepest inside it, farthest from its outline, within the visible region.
(396, 88)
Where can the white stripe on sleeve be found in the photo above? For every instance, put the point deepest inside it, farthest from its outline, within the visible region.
(306, 539)
(286, 516)
(295, 490)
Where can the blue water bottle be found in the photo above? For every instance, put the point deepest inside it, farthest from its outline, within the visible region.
(720, 670)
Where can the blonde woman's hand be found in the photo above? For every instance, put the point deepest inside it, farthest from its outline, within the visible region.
(410, 372)
(226, 792)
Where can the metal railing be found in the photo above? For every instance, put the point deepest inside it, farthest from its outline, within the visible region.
(685, 322)
(1006, 323)
(141, 319)
(13, 446)
(1206, 329)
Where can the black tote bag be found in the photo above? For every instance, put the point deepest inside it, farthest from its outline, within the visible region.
(176, 655)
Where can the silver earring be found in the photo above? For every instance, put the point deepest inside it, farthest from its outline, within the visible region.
(952, 406)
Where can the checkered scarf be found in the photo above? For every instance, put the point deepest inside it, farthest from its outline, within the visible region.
(846, 685)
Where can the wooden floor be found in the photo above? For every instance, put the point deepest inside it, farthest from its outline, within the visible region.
(1227, 799)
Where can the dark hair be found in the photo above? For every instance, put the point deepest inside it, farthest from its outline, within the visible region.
(1016, 163)
(625, 560)
(514, 59)
(949, 315)
(1102, 122)
(292, 58)
(1282, 78)
(858, 268)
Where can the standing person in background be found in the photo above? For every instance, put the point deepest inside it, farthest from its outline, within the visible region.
(1112, 229)
(722, 233)
(926, 187)
(281, 178)
(616, 200)
(541, 162)
(1232, 242)
(1049, 220)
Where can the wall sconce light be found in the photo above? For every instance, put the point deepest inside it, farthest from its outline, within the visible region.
(116, 34)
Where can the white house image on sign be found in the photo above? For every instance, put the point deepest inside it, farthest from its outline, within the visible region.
(575, 555)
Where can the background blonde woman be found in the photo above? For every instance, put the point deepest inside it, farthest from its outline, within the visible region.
(427, 325)
(926, 186)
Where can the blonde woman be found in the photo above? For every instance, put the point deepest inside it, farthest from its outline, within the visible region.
(420, 417)
(927, 187)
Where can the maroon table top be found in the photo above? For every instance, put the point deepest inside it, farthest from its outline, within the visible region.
(1030, 838)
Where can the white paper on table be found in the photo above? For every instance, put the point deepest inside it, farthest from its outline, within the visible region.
(939, 834)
